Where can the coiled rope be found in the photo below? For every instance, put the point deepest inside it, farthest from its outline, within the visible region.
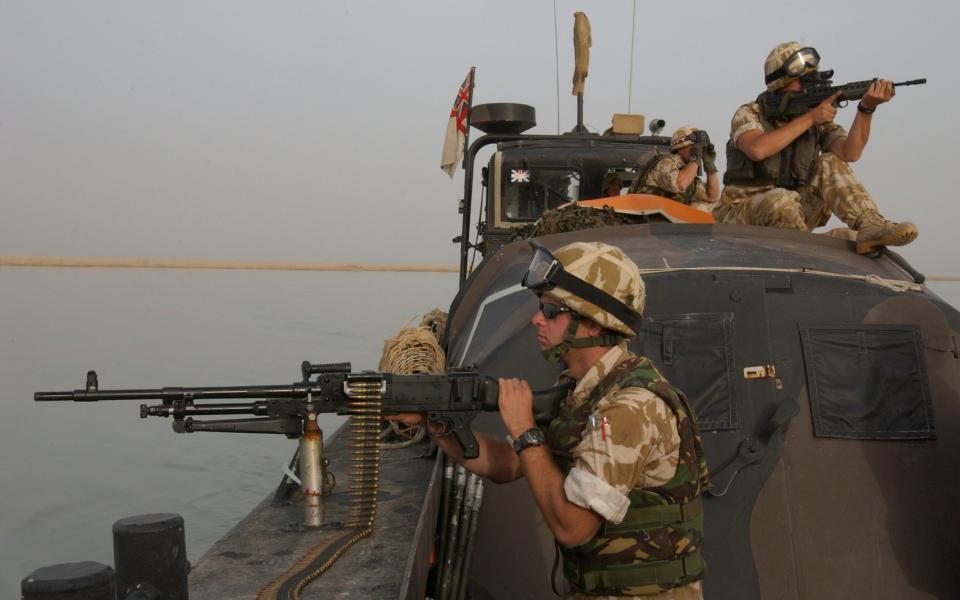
(413, 350)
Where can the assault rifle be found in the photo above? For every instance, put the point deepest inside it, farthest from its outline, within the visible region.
(818, 86)
(453, 398)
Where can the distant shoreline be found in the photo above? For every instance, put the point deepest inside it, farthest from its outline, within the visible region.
(174, 263)
(178, 263)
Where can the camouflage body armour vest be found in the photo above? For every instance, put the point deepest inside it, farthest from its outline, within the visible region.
(639, 185)
(790, 168)
(657, 545)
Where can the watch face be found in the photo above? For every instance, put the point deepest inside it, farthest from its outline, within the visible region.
(530, 437)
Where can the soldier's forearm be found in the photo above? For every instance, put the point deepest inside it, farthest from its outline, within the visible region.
(496, 460)
(686, 176)
(851, 148)
(572, 525)
(713, 187)
(759, 145)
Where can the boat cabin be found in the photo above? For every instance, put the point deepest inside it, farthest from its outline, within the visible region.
(528, 175)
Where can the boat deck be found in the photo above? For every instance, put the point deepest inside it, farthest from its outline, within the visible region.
(391, 563)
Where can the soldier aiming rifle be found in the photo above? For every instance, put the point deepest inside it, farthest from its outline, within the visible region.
(788, 164)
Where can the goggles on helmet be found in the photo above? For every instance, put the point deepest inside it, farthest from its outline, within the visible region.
(545, 273)
(797, 64)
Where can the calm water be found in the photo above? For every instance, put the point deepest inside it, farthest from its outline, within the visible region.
(70, 470)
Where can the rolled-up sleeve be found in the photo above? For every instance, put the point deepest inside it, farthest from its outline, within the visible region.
(593, 493)
(665, 174)
(829, 133)
(621, 438)
(747, 118)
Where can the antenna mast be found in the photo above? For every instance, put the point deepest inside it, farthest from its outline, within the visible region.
(633, 35)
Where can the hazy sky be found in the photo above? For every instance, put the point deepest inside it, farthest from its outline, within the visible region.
(310, 131)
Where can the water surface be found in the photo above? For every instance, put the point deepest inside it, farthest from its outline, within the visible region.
(70, 470)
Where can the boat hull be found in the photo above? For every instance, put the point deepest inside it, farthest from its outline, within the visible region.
(831, 458)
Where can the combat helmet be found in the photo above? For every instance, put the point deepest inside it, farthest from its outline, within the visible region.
(682, 138)
(788, 61)
(596, 281)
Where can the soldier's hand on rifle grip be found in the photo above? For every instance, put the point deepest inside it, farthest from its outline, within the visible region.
(826, 110)
(412, 418)
(880, 91)
(434, 428)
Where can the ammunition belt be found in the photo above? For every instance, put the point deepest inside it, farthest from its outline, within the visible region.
(364, 431)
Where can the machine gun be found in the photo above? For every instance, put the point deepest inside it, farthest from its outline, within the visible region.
(453, 398)
(818, 86)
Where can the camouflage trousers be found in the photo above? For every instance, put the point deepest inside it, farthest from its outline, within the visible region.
(691, 591)
(833, 189)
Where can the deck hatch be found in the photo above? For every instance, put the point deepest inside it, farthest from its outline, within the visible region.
(697, 349)
(868, 382)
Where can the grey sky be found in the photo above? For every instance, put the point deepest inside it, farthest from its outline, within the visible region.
(310, 131)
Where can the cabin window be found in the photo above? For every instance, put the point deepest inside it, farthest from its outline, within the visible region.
(529, 191)
(696, 349)
(868, 382)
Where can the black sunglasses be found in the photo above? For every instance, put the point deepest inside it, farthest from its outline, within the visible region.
(552, 311)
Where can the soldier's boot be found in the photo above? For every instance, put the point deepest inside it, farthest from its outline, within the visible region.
(841, 233)
(873, 231)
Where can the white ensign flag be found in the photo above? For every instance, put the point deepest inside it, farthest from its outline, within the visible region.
(456, 138)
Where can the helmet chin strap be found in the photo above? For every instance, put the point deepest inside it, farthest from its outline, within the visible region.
(554, 354)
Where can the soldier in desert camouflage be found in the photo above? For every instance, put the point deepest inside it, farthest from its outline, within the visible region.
(794, 174)
(618, 473)
(675, 175)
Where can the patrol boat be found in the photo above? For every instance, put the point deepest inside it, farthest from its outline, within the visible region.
(826, 383)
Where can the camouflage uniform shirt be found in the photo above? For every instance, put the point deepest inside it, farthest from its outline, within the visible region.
(631, 440)
(747, 118)
(664, 176)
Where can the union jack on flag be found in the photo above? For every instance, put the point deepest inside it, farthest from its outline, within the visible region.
(456, 137)
(461, 104)
(519, 175)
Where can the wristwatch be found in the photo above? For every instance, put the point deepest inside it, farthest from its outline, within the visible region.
(531, 437)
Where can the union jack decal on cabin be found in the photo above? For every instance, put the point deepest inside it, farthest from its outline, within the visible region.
(519, 175)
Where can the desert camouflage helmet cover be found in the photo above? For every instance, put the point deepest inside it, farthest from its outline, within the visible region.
(679, 140)
(776, 59)
(606, 268)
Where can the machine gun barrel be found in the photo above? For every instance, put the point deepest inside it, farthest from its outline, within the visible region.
(169, 394)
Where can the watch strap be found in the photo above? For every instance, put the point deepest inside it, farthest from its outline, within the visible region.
(529, 438)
